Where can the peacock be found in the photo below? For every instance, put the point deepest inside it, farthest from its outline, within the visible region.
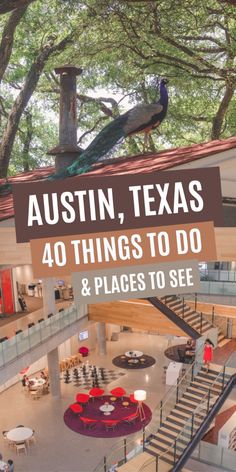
(142, 118)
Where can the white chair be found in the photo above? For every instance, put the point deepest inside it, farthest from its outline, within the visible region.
(32, 440)
(21, 447)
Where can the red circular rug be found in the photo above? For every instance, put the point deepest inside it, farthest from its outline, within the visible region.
(98, 430)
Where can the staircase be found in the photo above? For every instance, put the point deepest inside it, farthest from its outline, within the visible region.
(194, 324)
(177, 430)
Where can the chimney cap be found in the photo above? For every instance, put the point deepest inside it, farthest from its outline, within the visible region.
(68, 69)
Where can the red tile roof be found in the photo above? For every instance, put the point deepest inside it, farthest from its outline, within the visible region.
(141, 163)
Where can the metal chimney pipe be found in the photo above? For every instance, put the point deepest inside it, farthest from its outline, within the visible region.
(67, 151)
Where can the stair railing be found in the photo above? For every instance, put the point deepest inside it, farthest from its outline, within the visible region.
(216, 321)
(120, 452)
(194, 422)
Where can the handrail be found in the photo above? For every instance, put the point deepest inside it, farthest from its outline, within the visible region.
(204, 317)
(160, 407)
(23, 342)
(204, 399)
(202, 429)
(171, 314)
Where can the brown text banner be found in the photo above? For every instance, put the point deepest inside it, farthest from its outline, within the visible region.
(67, 254)
(143, 281)
(85, 204)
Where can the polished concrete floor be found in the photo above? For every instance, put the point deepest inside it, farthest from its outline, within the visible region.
(58, 449)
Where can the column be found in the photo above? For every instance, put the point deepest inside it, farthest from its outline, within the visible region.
(101, 337)
(49, 305)
(54, 373)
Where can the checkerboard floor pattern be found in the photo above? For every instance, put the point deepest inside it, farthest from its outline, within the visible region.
(86, 380)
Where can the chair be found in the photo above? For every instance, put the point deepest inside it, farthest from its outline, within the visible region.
(118, 392)
(84, 351)
(30, 325)
(132, 399)
(82, 398)
(130, 419)
(181, 355)
(34, 394)
(32, 440)
(88, 422)
(18, 331)
(76, 408)
(96, 392)
(110, 424)
(21, 447)
(50, 315)
(4, 433)
(164, 373)
(40, 320)
(62, 366)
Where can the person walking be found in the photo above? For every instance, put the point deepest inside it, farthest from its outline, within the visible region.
(208, 353)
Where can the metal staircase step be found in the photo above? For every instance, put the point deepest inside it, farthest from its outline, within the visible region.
(192, 397)
(169, 458)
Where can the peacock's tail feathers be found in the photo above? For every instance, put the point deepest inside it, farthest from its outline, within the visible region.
(99, 147)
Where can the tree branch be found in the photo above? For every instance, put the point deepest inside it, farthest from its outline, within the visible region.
(8, 38)
(9, 5)
(222, 110)
(23, 98)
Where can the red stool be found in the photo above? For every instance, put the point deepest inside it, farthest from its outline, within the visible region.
(110, 424)
(118, 392)
(82, 398)
(84, 351)
(96, 392)
(88, 422)
(130, 419)
(76, 408)
(132, 399)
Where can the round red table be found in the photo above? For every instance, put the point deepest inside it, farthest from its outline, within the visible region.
(76, 408)
(82, 398)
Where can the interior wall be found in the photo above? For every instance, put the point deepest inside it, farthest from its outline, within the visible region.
(139, 314)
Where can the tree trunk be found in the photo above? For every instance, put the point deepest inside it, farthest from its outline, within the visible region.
(22, 100)
(8, 38)
(222, 110)
(9, 5)
(27, 141)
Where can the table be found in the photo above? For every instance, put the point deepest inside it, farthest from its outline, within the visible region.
(133, 354)
(107, 409)
(19, 434)
(172, 372)
(37, 383)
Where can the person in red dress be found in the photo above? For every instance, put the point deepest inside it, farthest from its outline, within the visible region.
(208, 353)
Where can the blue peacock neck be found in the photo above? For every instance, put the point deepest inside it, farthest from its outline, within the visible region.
(163, 95)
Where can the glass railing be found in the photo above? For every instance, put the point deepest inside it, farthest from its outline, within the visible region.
(23, 342)
(175, 450)
(215, 454)
(127, 448)
(217, 288)
(218, 275)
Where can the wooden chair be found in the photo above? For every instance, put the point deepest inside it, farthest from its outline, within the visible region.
(35, 394)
